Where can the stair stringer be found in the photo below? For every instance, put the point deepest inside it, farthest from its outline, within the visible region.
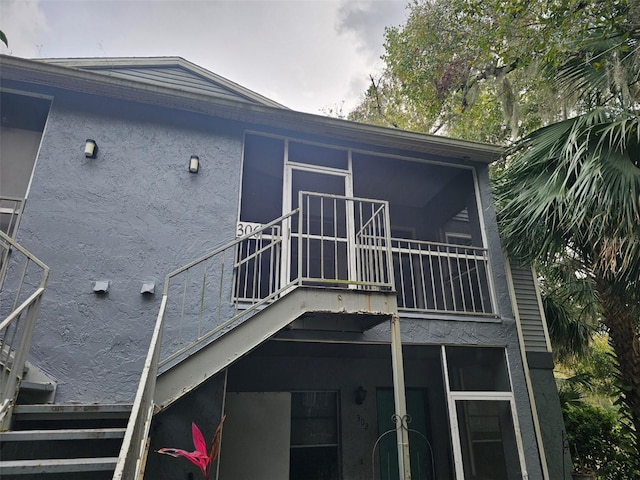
(187, 375)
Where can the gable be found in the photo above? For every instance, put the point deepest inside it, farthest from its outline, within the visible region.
(168, 72)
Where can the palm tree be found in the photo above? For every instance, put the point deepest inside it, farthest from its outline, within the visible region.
(571, 190)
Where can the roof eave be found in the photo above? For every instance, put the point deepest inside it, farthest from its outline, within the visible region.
(73, 79)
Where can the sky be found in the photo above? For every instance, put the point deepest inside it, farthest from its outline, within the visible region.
(309, 55)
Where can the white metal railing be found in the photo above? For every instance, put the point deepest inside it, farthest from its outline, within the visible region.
(443, 278)
(25, 278)
(10, 211)
(347, 243)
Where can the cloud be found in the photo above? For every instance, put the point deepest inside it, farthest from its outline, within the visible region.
(22, 22)
(366, 21)
(305, 54)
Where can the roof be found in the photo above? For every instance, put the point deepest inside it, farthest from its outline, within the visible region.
(174, 72)
(141, 80)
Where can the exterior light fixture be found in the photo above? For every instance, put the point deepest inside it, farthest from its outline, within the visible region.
(360, 395)
(90, 148)
(194, 164)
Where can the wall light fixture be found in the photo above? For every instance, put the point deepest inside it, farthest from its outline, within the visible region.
(90, 148)
(194, 164)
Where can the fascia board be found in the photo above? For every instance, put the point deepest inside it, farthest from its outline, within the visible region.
(84, 81)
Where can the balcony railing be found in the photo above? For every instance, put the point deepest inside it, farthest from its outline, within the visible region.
(442, 278)
(25, 278)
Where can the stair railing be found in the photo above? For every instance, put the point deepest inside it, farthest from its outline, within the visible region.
(243, 259)
(23, 279)
(328, 240)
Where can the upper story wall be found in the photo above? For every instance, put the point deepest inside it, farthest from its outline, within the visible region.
(130, 215)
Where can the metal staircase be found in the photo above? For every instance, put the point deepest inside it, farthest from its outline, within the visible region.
(332, 255)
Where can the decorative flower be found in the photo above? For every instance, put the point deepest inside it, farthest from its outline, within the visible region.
(199, 456)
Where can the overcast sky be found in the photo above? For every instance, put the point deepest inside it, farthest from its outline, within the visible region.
(309, 55)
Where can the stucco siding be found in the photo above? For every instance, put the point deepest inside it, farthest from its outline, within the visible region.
(130, 215)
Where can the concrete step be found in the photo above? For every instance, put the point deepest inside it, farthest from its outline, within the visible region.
(69, 442)
(56, 465)
(61, 434)
(76, 416)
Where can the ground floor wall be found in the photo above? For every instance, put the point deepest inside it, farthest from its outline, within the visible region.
(356, 376)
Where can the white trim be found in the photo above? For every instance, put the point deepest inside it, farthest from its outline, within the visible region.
(456, 396)
(35, 161)
(453, 418)
(485, 241)
(527, 375)
(453, 163)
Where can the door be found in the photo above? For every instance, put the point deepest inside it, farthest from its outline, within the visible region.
(256, 436)
(318, 247)
(420, 449)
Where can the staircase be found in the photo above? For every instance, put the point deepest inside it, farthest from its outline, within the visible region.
(69, 441)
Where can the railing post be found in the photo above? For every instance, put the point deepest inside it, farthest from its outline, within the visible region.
(402, 432)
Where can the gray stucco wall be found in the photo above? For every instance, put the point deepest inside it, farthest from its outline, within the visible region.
(132, 214)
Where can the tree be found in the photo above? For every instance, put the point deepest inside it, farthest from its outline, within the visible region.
(470, 68)
(572, 188)
(3, 38)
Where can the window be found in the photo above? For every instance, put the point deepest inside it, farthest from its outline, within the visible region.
(314, 436)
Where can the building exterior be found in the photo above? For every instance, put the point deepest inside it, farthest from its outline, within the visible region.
(326, 275)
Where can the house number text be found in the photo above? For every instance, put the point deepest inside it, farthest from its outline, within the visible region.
(362, 422)
(246, 228)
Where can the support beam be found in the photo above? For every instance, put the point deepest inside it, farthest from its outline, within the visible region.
(400, 400)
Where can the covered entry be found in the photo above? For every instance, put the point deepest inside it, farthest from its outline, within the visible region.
(334, 432)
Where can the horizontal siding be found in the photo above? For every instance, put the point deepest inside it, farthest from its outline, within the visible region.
(173, 77)
(531, 321)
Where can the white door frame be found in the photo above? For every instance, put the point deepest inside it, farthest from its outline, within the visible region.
(287, 193)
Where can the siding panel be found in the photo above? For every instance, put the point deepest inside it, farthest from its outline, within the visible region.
(531, 321)
(172, 77)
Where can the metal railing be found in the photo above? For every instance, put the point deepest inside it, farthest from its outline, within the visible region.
(25, 278)
(443, 278)
(329, 240)
(10, 211)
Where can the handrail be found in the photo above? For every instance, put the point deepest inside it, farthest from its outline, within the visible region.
(228, 245)
(131, 459)
(260, 272)
(23, 277)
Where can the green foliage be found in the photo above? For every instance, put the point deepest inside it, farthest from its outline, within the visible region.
(598, 442)
(485, 69)
(591, 375)
(3, 38)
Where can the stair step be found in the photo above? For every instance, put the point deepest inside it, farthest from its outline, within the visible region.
(57, 465)
(73, 411)
(61, 434)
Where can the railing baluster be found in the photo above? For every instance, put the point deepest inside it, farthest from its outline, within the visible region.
(471, 289)
(23, 279)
